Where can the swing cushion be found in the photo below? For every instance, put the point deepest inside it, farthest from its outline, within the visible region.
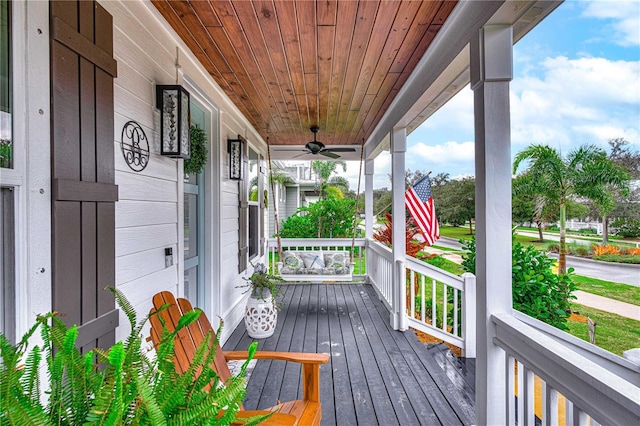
(313, 263)
(338, 261)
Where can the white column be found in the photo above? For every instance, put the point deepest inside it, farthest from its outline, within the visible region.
(491, 71)
(398, 148)
(368, 199)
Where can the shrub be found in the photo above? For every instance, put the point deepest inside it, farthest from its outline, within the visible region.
(582, 250)
(588, 231)
(600, 249)
(626, 228)
(618, 258)
(554, 228)
(329, 218)
(537, 291)
(553, 248)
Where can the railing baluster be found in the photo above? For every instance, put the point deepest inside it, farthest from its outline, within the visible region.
(568, 413)
(422, 301)
(521, 393)
(545, 405)
(511, 389)
(412, 293)
(433, 303)
(528, 397)
(455, 312)
(445, 309)
(552, 404)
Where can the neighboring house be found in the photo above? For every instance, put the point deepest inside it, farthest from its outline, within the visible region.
(300, 191)
(77, 216)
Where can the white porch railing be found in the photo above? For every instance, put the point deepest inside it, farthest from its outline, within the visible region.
(438, 303)
(320, 244)
(572, 388)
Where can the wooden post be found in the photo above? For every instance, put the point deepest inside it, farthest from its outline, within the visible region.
(368, 199)
(491, 71)
(398, 148)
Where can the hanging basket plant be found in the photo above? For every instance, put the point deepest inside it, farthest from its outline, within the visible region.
(199, 152)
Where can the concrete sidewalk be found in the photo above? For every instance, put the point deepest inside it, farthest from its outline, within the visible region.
(608, 305)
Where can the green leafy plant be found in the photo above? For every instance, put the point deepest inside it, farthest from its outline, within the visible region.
(199, 152)
(6, 153)
(260, 281)
(328, 218)
(537, 290)
(121, 385)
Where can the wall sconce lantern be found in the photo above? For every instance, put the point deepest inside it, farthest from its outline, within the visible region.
(235, 148)
(175, 117)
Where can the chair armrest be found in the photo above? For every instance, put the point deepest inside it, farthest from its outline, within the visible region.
(300, 357)
(352, 265)
(279, 266)
(310, 367)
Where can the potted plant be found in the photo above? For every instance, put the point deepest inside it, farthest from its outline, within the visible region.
(261, 312)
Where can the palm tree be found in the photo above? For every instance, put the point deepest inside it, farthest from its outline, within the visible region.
(324, 170)
(585, 172)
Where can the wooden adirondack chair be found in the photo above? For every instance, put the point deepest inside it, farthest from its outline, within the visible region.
(307, 411)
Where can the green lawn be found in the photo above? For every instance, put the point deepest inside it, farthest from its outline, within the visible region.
(456, 232)
(622, 292)
(613, 332)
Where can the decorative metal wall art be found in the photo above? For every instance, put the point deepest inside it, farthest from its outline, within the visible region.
(236, 149)
(175, 117)
(134, 146)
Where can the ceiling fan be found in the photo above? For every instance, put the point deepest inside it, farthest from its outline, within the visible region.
(316, 147)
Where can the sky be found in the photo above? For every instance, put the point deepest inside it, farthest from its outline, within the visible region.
(576, 81)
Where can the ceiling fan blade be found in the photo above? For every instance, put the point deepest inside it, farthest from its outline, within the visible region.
(329, 154)
(341, 149)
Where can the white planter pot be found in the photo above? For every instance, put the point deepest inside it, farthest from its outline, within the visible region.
(260, 316)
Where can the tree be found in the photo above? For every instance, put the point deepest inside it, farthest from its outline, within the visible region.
(329, 218)
(455, 201)
(324, 169)
(584, 172)
(621, 154)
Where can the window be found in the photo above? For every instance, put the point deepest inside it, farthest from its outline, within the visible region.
(6, 87)
(253, 195)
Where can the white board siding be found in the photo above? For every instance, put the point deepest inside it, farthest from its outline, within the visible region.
(140, 187)
(141, 213)
(140, 238)
(149, 213)
(140, 292)
(137, 265)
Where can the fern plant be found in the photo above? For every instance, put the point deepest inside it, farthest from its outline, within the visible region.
(121, 385)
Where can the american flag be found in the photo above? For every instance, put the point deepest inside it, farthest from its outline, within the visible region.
(419, 201)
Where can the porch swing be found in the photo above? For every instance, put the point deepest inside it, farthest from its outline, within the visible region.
(302, 264)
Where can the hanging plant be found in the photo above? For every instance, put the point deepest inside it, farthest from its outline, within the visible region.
(199, 152)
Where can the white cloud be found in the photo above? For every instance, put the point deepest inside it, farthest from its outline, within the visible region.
(446, 153)
(576, 101)
(382, 169)
(624, 15)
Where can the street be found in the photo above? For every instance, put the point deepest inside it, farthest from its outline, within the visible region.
(608, 271)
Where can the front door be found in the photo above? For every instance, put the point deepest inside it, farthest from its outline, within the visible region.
(194, 222)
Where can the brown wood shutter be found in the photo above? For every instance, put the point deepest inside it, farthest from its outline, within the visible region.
(84, 194)
(243, 212)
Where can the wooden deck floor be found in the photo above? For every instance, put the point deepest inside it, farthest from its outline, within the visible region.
(375, 375)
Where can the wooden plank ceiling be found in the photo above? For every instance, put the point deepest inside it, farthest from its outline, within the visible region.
(289, 65)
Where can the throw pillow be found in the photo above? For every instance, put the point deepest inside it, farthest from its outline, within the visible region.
(312, 260)
(292, 260)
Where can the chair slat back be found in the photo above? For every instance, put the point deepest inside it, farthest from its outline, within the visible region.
(189, 338)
